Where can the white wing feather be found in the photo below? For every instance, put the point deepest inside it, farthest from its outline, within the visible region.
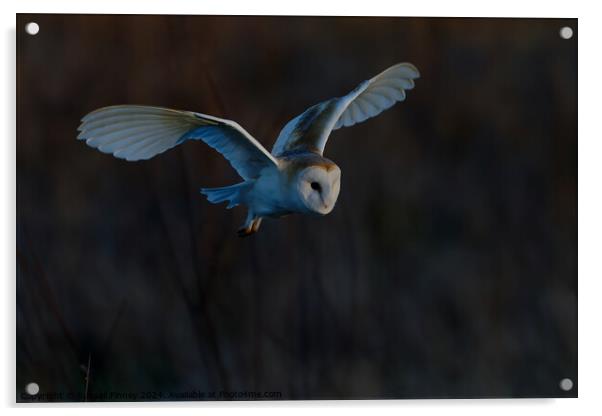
(134, 132)
(311, 129)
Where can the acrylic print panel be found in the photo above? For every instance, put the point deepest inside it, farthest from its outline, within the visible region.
(412, 236)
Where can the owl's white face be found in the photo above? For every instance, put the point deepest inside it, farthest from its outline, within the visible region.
(318, 188)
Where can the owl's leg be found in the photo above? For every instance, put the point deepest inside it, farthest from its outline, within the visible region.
(256, 224)
(250, 226)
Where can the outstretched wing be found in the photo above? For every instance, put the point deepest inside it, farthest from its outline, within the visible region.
(135, 132)
(310, 130)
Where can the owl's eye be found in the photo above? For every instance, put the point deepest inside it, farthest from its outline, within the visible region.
(316, 186)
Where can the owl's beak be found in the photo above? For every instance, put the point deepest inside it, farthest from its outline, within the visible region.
(325, 206)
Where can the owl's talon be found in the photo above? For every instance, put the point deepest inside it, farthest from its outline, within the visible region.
(250, 226)
(245, 231)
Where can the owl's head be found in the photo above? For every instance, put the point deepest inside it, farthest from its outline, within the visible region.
(318, 187)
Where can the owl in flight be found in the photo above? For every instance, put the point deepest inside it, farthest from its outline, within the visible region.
(293, 178)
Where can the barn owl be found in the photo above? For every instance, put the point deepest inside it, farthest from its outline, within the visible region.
(294, 178)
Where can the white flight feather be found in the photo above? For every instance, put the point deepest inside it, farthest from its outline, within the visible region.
(135, 132)
(368, 100)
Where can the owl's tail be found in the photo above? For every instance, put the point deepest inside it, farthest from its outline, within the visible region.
(234, 194)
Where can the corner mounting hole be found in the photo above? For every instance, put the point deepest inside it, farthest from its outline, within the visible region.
(32, 28)
(566, 384)
(32, 389)
(566, 32)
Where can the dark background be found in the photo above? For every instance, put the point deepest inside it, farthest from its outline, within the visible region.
(447, 269)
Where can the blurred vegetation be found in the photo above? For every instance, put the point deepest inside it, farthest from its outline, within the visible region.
(447, 269)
